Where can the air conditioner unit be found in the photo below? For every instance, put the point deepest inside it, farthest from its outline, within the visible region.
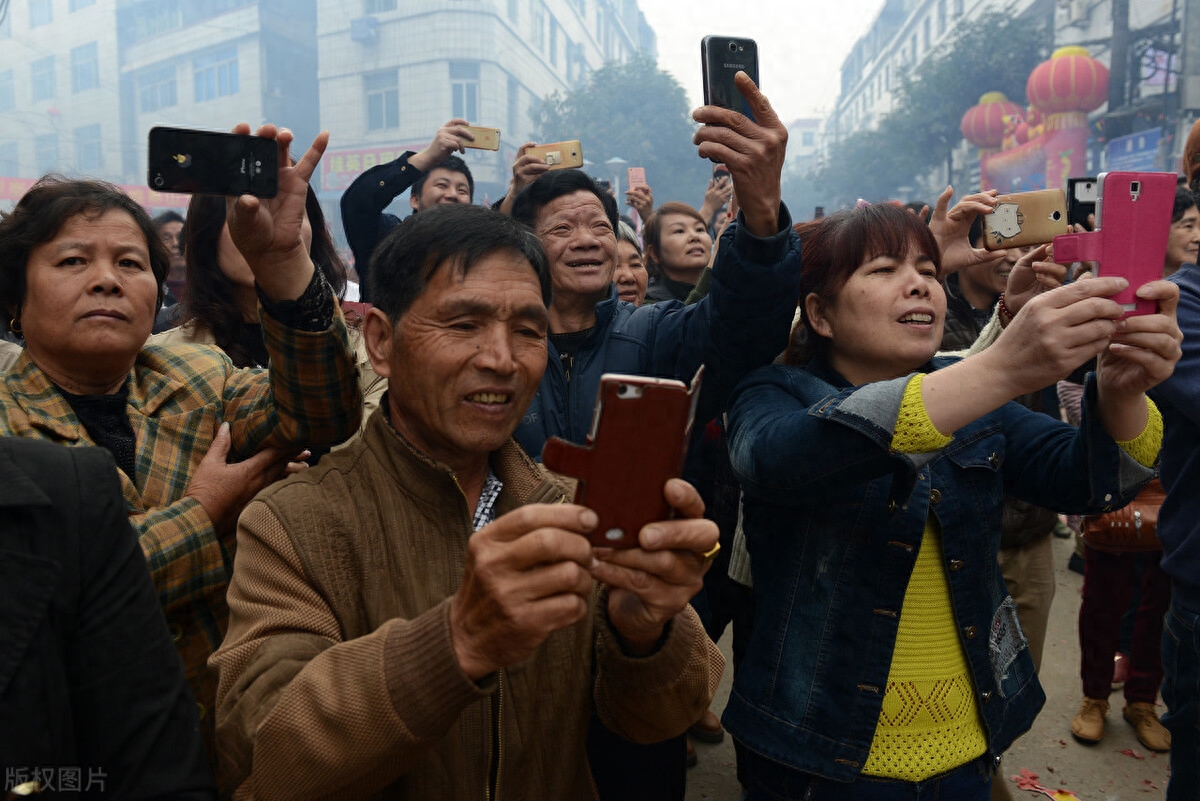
(364, 29)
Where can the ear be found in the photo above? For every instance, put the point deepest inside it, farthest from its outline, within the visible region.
(379, 337)
(413, 201)
(650, 254)
(815, 312)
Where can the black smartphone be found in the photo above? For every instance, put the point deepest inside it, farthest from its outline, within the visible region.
(1082, 194)
(210, 163)
(721, 57)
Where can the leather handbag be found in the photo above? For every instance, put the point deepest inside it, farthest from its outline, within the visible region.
(1129, 529)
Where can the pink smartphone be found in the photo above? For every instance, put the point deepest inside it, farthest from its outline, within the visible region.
(1133, 221)
(637, 176)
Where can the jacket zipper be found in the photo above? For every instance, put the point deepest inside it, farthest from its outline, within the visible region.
(497, 768)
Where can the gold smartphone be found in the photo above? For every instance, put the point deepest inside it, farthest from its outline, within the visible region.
(560, 155)
(485, 138)
(1025, 218)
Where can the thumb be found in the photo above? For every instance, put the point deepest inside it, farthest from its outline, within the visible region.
(220, 444)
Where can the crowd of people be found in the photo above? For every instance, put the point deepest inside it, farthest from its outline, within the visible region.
(356, 579)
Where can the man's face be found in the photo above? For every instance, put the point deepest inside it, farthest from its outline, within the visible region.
(580, 244)
(442, 186)
(465, 359)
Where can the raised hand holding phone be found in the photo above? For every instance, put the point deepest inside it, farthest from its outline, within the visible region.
(267, 232)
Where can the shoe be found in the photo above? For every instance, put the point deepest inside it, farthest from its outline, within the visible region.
(707, 729)
(1062, 530)
(691, 759)
(1075, 563)
(1191, 156)
(1120, 670)
(1144, 720)
(1088, 725)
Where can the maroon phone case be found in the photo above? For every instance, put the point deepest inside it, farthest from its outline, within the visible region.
(637, 443)
(1131, 233)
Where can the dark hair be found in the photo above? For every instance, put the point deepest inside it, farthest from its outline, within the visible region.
(1184, 200)
(168, 216)
(42, 212)
(833, 247)
(458, 234)
(209, 297)
(554, 184)
(652, 233)
(452, 163)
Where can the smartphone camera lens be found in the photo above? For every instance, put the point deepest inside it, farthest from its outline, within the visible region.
(158, 180)
(733, 47)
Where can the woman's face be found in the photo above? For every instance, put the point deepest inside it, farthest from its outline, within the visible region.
(886, 321)
(1183, 243)
(233, 264)
(683, 243)
(90, 298)
(630, 276)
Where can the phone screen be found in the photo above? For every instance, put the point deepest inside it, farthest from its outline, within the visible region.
(211, 163)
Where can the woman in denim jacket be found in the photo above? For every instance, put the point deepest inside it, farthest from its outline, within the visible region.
(887, 660)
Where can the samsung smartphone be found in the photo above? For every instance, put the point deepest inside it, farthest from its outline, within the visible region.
(210, 163)
(637, 177)
(1025, 218)
(560, 155)
(485, 138)
(721, 57)
(1133, 221)
(1082, 194)
(639, 439)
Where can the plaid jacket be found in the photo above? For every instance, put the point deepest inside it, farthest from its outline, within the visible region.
(178, 397)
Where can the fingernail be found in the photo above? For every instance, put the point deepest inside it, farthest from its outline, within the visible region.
(588, 519)
(652, 535)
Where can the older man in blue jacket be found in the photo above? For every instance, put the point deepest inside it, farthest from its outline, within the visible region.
(742, 324)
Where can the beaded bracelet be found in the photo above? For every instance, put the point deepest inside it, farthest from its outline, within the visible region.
(1006, 316)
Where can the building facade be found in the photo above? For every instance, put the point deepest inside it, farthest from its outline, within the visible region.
(394, 71)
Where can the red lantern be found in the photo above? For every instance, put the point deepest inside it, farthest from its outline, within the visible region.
(1071, 80)
(983, 124)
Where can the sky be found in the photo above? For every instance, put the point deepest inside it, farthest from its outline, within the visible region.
(801, 44)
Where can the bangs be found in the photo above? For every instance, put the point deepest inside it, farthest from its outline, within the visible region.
(884, 229)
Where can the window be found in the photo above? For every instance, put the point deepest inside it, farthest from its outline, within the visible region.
(75, 5)
(553, 41)
(42, 71)
(464, 89)
(514, 102)
(216, 74)
(156, 89)
(85, 67)
(41, 12)
(8, 91)
(151, 19)
(941, 12)
(537, 24)
(928, 36)
(958, 8)
(808, 139)
(89, 155)
(45, 153)
(379, 6)
(512, 10)
(383, 101)
(8, 159)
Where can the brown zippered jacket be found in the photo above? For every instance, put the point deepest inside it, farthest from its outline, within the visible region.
(338, 677)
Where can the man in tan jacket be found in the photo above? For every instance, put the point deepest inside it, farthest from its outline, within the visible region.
(418, 616)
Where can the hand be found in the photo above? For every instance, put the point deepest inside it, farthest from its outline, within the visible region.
(951, 228)
(641, 199)
(753, 152)
(1143, 353)
(650, 584)
(526, 577)
(267, 230)
(1055, 332)
(1032, 275)
(718, 193)
(448, 139)
(224, 489)
(525, 170)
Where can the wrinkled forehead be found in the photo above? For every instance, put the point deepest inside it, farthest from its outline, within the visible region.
(579, 208)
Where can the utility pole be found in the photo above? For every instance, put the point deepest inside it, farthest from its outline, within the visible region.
(1118, 70)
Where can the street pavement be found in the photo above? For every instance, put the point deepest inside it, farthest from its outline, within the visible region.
(1117, 769)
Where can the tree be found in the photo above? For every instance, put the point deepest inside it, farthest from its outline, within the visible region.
(993, 53)
(636, 112)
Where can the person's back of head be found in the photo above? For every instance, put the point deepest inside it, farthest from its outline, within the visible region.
(555, 184)
(457, 236)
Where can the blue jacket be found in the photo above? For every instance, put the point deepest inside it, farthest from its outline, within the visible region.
(1178, 399)
(834, 519)
(743, 323)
